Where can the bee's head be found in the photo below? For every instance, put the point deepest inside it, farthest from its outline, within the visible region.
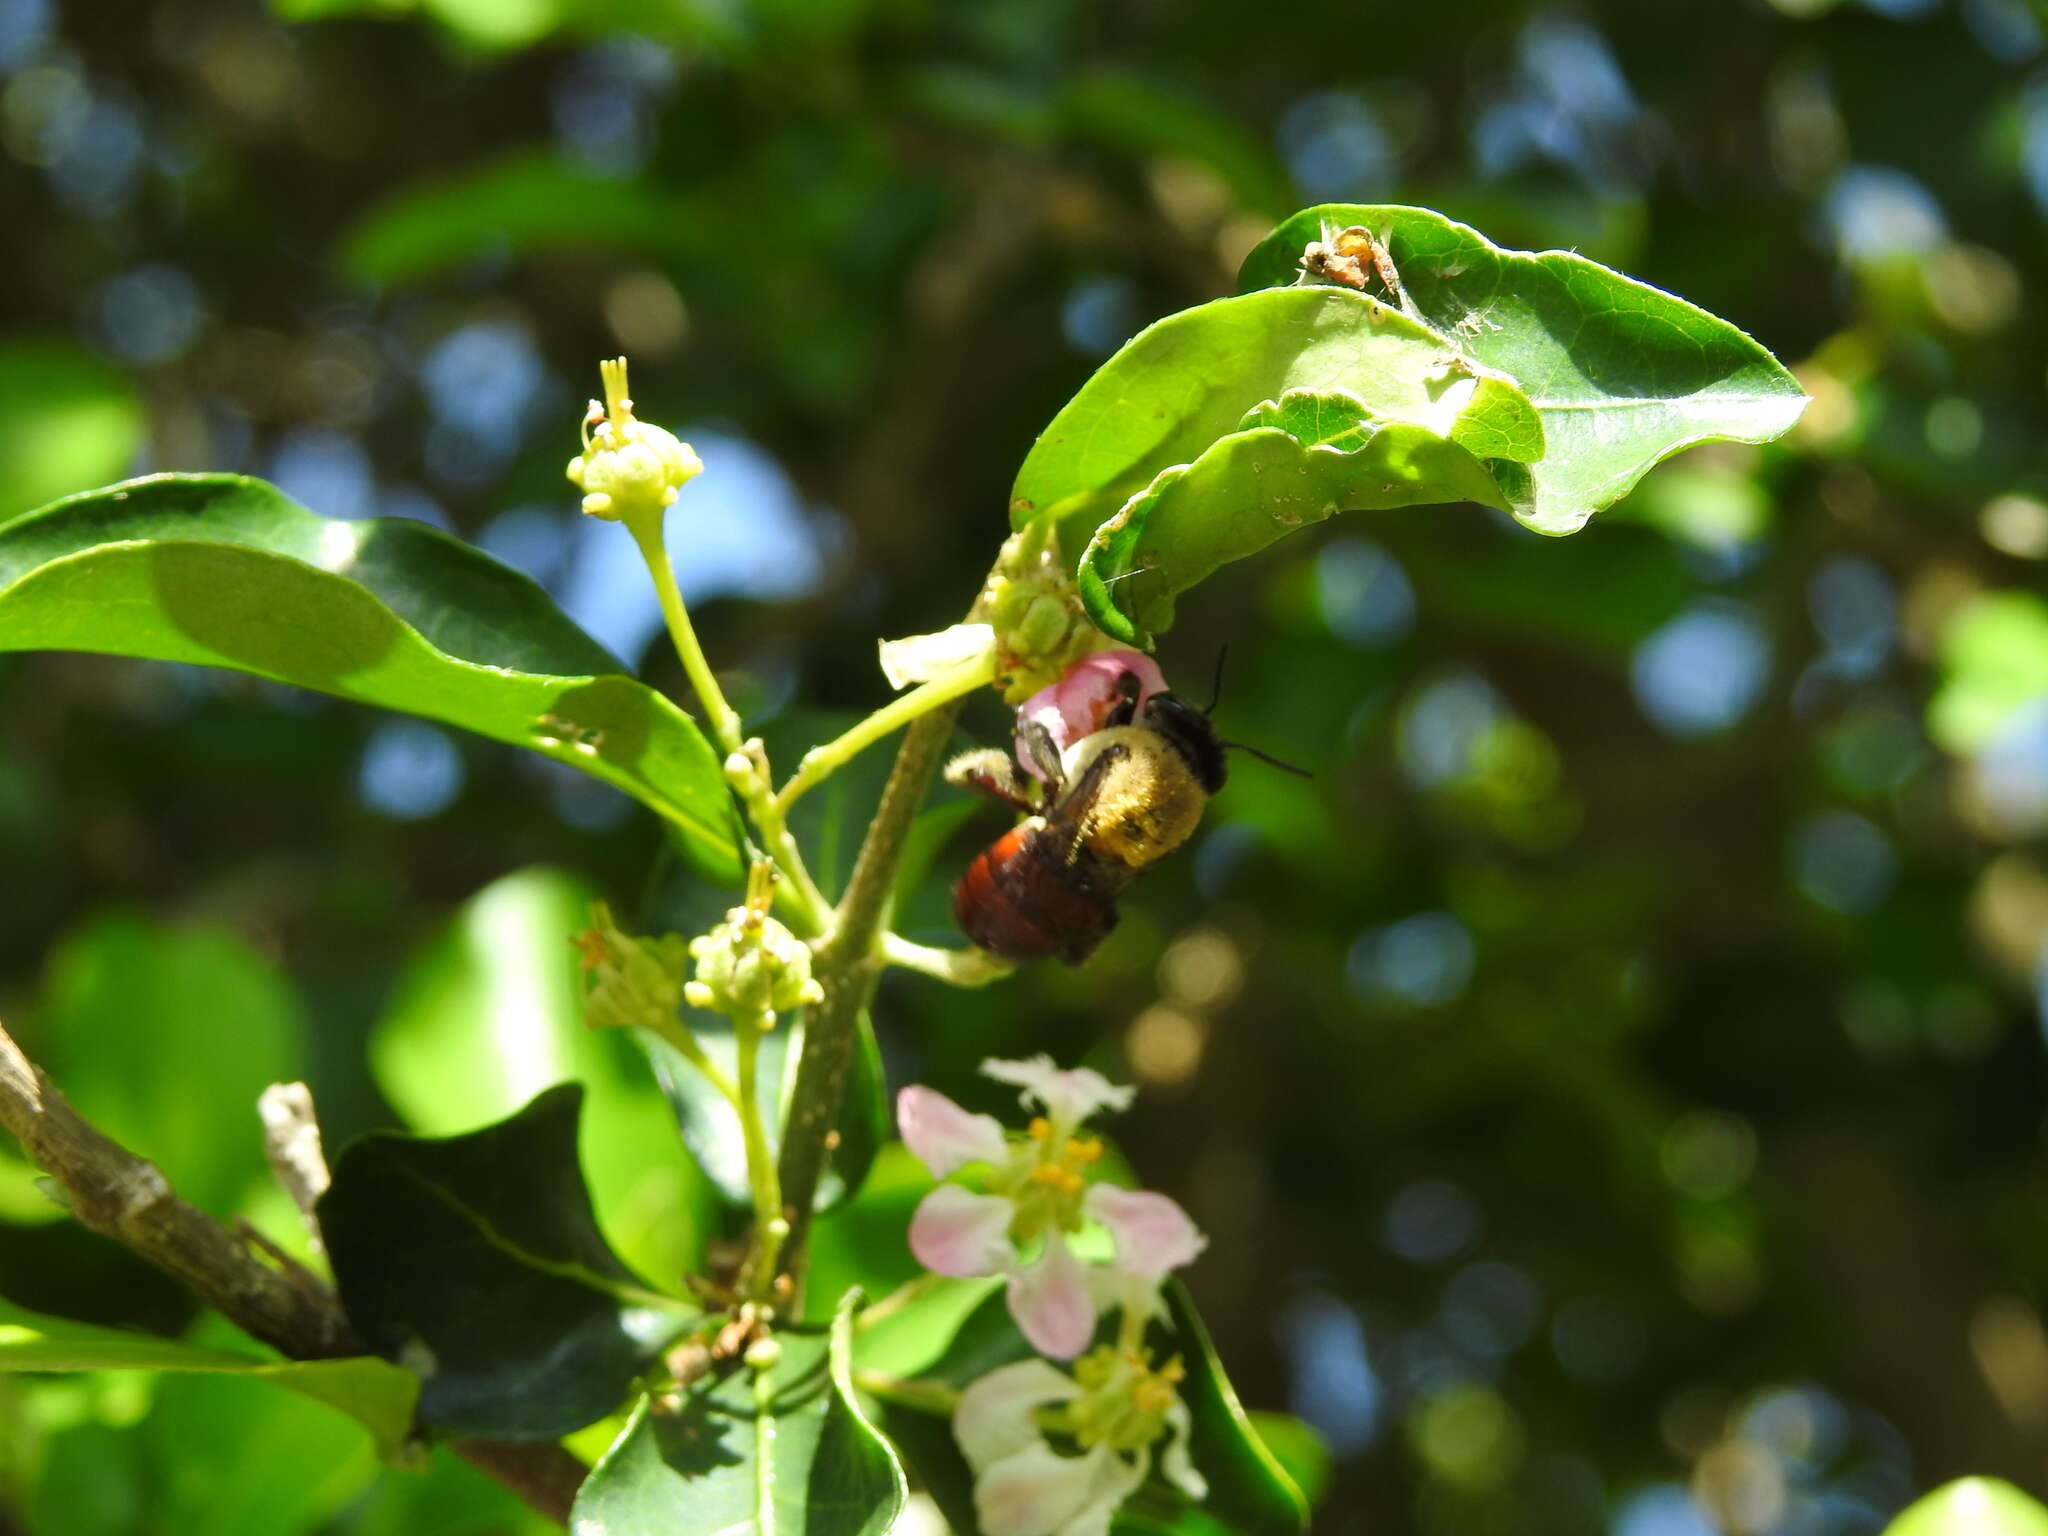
(1188, 731)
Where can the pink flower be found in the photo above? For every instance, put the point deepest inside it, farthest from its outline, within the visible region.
(1079, 703)
(1038, 1194)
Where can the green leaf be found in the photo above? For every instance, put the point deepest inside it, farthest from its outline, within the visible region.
(226, 571)
(1972, 1506)
(133, 1015)
(711, 1130)
(1994, 662)
(491, 1013)
(1623, 374)
(1299, 1450)
(477, 1261)
(1249, 1493)
(374, 1392)
(1303, 458)
(529, 202)
(66, 419)
(1181, 384)
(786, 1452)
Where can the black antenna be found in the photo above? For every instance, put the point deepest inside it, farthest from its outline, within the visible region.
(1267, 757)
(1216, 685)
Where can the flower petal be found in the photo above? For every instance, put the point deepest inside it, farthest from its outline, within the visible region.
(943, 1136)
(1175, 1461)
(1039, 1492)
(1153, 1235)
(1079, 703)
(957, 1232)
(1068, 1097)
(920, 658)
(993, 1419)
(1050, 1301)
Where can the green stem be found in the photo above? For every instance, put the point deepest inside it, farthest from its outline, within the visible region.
(798, 893)
(770, 1224)
(675, 1034)
(821, 762)
(723, 720)
(957, 967)
(933, 1397)
(849, 960)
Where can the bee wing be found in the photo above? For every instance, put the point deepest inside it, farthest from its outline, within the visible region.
(1070, 821)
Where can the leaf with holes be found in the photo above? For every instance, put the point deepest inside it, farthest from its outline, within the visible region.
(1622, 374)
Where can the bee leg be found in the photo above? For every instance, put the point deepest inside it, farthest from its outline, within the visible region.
(988, 771)
(1125, 710)
(1035, 742)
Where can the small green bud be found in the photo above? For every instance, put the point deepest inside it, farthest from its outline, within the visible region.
(750, 965)
(1040, 627)
(639, 981)
(629, 470)
(762, 1354)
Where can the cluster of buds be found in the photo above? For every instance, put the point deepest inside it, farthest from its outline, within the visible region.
(1031, 603)
(1118, 1408)
(629, 470)
(638, 981)
(751, 966)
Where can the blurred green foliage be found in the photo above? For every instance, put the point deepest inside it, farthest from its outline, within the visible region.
(1613, 1086)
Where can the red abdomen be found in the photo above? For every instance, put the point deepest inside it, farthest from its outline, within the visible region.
(1023, 900)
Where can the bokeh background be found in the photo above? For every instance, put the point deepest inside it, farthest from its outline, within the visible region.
(1613, 1084)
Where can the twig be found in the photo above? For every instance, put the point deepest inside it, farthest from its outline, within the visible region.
(291, 1140)
(849, 962)
(127, 1198)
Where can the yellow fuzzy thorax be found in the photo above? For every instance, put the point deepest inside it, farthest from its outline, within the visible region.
(1148, 802)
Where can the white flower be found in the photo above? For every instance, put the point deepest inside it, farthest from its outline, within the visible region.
(1115, 1408)
(1037, 1193)
(921, 658)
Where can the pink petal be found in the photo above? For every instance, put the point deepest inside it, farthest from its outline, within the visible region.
(957, 1232)
(1068, 1097)
(943, 1136)
(1079, 703)
(1153, 1235)
(1050, 1301)
(993, 1419)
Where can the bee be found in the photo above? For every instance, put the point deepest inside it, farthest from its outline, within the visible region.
(1112, 803)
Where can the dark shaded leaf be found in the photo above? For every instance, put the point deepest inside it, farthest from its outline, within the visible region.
(477, 1261)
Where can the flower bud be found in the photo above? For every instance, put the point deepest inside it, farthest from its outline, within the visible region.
(639, 981)
(629, 470)
(751, 966)
(1032, 603)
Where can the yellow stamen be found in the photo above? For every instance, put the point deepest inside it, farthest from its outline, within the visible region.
(1083, 1149)
(1039, 1129)
(1151, 1395)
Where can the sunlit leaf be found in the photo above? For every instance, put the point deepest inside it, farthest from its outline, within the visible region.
(1301, 459)
(1623, 374)
(783, 1452)
(225, 571)
(477, 1261)
(163, 1038)
(66, 419)
(1994, 662)
(1188, 380)
(1972, 1506)
(374, 1392)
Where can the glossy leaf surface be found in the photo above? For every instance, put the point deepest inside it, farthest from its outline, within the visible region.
(1188, 380)
(226, 571)
(376, 1393)
(785, 1452)
(477, 1261)
(1298, 460)
(1622, 374)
